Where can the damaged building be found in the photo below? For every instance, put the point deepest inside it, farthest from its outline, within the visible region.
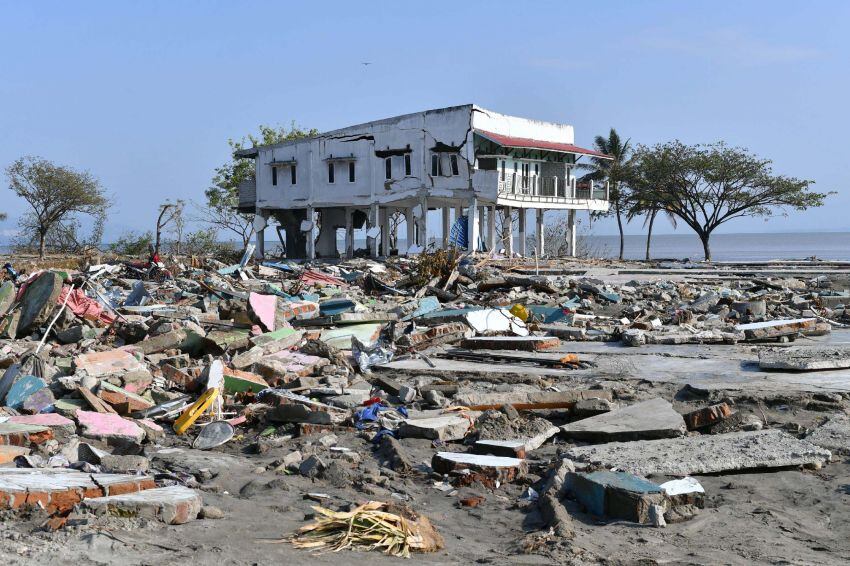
(476, 171)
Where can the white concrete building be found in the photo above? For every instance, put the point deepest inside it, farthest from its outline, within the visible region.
(451, 162)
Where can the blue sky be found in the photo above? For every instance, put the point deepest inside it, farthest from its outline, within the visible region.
(145, 94)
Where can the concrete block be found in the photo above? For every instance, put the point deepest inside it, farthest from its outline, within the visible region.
(38, 301)
(654, 418)
(704, 454)
(173, 505)
(110, 362)
(489, 470)
(521, 343)
(51, 420)
(445, 428)
(617, 495)
(805, 358)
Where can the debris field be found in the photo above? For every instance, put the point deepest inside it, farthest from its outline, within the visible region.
(440, 407)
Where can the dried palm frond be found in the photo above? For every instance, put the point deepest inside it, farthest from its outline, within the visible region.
(371, 526)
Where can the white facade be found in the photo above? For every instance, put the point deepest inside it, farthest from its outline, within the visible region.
(454, 159)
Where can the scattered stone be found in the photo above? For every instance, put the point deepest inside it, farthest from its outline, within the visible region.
(617, 495)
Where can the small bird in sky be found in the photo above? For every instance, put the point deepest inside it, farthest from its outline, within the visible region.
(366, 63)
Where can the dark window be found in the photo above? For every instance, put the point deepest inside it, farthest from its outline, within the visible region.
(292, 176)
(388, 168)
(350, 171)
(453, 160)
(515, 166)
(274, 175)
(536, 168)
(330, 172)
(503, 169)
(407, 164)
(435, 165)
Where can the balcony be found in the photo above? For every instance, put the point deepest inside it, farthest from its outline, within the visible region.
(247, 195)
(534, 191)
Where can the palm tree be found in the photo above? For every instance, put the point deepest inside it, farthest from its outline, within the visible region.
(615, 171)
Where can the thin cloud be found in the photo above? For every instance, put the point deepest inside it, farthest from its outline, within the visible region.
(728, 45)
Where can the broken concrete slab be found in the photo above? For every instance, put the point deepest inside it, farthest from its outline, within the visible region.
(109, 427)
(771, 329)
(489, 470)
(60, 489)
(9, 453)
(17, 434)
(52, 420)
(448, 427)
(528, 399)
(7, 296)
(38, 301)
(833, 435)
(110, 362)
(704, 454)
(172, 505)
(22, 390)
(617, 495)
(805, 358)
(650, 419)
(520, 343)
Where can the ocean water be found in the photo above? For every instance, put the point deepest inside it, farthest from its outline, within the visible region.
(724, 247)
(729, 247)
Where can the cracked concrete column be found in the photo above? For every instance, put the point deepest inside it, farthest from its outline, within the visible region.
(371, 236)
(385, 231)
(349, 233)
(472, 226)
(571, 223)
(508, 231)
(411, 227)
(491, 228)
(522, 235)
(540, 233)
(444, 244)
(309, 227)
(422, 223)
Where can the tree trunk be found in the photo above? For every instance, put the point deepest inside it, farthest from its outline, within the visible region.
(41, 238)
(705, 246)
(620, 226)
(649, 232)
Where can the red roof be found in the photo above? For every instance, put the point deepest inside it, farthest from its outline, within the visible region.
(527, 143)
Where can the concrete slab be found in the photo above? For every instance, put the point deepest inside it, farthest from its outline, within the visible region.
(109, 427)
(51, 420)
(443, 428)
(60, 489)
(833, 435)
(22, 389)
(38, 301)
(704, 454)
(173, 505)
(650, 419)
(515, 448)
(805, 358)
(99, 364)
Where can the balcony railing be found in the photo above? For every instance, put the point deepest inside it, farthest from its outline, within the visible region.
(532, 186)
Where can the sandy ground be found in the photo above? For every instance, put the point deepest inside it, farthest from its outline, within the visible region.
(788, 516)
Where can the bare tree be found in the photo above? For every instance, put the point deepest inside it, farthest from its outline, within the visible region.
(170, 214)
(56, 194)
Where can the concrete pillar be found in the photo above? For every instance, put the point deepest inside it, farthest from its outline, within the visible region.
(508, 231)
(411, 227)
(422, 222)
(571, 224)
(446, 228)
(522, 232)
(491, 228)
(260, 243)
(473, 227)
(540, 233)
(385, 230)
(349, 233)
(311, 233)
(372, 241)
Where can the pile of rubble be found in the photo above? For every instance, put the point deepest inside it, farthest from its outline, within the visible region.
(108, 379)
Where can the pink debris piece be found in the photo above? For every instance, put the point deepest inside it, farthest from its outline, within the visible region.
(43, 419)
(97, 364)
(264, 306)
(108, 426)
